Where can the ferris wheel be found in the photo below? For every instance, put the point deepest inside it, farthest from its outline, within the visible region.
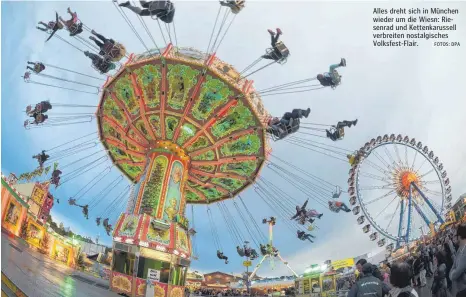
(398, 189)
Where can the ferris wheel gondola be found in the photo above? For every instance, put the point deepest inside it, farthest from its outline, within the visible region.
(393, 168)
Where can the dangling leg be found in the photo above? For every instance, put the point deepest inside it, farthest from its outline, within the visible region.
(272, 37)
(100, 36)
(268, 56)
(300, 113)
(42, 29)
(344, 207)
(344, 124)
(30, 68)
(92, 56)
(99, 44)
(275, 36)
(145, 4)
(137, 10)
(333, 67)
(331, 135)
(287, 116)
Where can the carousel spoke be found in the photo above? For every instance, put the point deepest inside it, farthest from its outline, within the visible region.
(379, 198)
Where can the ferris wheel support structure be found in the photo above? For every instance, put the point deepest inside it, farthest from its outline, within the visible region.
(412, 202)
(439, 217)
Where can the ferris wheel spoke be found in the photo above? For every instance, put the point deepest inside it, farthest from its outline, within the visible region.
(422, 164)
(373, 176)
(393, 215)
(378, 168)
(414, 160)
(389, 155)
(398, 155)
(389, 187)
(435, 193)
(385, 208)
(379, 198)
(430, 182)
(406, 156)
(432, 170)
(381, 159)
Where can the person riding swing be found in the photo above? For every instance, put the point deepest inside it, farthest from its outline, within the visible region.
(37, 68)
(279, 52)
(109, 49)
(163, 10)
(288, 124)
(52, 26)
(235, 5)
(332, 78)
(101, 64)
(73, 25)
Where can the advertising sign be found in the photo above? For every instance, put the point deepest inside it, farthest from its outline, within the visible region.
(153, 274)
(349, 262)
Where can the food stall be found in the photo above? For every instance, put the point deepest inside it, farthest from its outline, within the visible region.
(149, 250)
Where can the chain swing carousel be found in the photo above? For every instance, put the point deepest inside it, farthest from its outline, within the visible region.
(179, 129)
(185, 127)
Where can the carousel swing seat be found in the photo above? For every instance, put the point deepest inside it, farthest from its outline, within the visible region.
(103, 67)
(280, 52)
(341, 132)
(114, 51)
(76, 28)
(38, 67)
(287, 130)
(163, 10)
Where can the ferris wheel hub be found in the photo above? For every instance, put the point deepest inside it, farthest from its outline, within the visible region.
(404, 179)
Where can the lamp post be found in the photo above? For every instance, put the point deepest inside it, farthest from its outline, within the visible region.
(247, 271)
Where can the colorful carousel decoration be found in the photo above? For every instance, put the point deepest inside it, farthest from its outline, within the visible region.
(184, 130)
(398, 176)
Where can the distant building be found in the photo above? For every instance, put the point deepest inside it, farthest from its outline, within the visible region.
(91, 249)
(218, 280)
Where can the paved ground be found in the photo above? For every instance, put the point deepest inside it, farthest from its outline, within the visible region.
(425, 291)
(38, 276)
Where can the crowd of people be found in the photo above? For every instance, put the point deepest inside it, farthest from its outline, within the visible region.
(216, 292)
(443, 258)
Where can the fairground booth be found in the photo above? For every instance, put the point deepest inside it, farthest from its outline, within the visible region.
(147, 249)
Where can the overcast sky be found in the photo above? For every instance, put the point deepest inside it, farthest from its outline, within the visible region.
(415, 91)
